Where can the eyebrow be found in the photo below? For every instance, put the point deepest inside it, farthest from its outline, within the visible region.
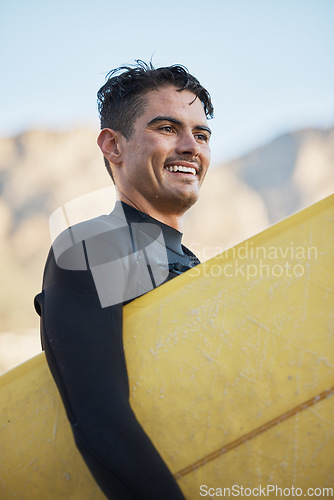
(171, 119)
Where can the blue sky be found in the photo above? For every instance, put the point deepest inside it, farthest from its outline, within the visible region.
(267, 64)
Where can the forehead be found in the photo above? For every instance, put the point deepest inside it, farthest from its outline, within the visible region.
(179, 104)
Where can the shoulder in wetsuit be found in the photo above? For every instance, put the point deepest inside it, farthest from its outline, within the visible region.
(92, 270)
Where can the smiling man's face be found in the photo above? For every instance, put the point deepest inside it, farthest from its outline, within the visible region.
(163, 164)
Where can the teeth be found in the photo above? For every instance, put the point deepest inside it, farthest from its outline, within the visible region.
(180, 168)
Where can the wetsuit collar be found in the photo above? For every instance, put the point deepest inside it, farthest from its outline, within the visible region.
(172, 236)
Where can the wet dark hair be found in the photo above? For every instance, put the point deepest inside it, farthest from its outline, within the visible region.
(120, 99)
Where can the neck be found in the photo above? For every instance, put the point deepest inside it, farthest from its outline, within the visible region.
(173, 220)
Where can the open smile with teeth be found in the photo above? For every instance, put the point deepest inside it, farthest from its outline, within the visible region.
(180, 168)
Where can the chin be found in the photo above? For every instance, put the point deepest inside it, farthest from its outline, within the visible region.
(186, 200)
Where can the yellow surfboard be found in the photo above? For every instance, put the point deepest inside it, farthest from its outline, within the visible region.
(231, 375)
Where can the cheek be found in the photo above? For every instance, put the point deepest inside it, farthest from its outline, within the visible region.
(161, 146)
(206, 159)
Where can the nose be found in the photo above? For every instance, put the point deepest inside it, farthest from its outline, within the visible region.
(187, 144)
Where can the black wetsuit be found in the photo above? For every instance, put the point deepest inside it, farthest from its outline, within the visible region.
(92, 270)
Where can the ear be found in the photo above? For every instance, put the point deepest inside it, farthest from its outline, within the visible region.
(108, 142)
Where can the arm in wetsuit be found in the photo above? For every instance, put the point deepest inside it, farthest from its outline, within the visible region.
(84, 350)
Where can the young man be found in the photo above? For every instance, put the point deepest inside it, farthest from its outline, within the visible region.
(155, 140)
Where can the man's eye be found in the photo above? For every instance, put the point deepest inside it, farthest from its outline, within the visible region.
(202, 137)
(167, 128)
